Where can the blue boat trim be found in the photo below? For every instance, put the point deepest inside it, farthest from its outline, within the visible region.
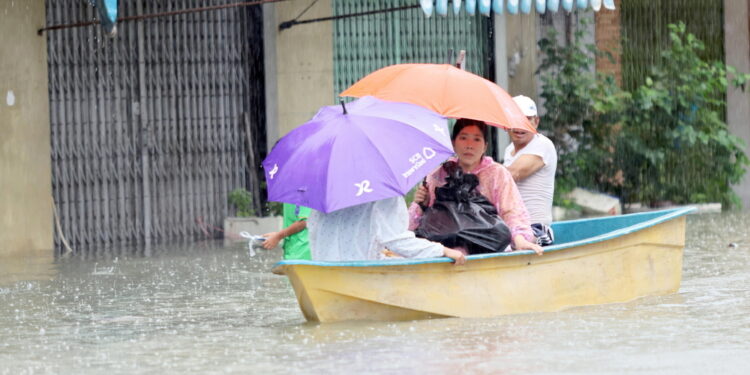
(608, 228)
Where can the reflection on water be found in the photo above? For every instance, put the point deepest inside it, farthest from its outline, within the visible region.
(210, 308)
(33, 265)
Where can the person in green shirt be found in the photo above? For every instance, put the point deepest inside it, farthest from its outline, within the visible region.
(294, 234)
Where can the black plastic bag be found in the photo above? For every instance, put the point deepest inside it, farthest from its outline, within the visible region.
(461, 216)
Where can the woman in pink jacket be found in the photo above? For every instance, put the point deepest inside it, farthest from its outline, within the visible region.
(495, 183)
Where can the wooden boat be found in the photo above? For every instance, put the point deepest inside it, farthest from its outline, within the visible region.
(594, 261)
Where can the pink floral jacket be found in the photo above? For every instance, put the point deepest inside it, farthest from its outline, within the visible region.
(495, 183)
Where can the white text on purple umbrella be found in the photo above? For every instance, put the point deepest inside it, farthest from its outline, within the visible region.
(418, 160)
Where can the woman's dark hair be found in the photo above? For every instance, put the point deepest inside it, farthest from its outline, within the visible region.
(464, 122)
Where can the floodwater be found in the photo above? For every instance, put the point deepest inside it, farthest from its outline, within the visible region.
(211, 309)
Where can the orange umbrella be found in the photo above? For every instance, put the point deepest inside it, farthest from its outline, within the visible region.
(445, 89)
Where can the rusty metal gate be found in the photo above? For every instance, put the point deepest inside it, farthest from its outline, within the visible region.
(645, 33)
(153, 128)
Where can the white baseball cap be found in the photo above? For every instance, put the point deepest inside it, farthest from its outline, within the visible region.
(528, 107)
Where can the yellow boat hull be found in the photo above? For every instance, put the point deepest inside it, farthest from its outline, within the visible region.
(621, 268)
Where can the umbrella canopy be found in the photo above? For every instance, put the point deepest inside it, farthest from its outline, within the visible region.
(445, 89)
(372, 150)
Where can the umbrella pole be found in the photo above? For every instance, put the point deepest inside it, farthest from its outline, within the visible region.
(343, 105)
(461, 60)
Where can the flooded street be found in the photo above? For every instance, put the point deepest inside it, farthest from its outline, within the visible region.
(208, 308)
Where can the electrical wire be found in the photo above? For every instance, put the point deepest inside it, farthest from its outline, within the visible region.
(156, 15)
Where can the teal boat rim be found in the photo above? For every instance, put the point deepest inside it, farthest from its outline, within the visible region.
(663, 216)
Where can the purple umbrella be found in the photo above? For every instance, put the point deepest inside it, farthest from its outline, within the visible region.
(367, 151)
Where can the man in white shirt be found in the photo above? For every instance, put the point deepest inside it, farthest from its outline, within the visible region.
(532, 160)
(362, 232)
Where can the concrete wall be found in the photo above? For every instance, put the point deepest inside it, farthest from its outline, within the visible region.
(520, 43)
(737, 46)
(300, 80)
(500, 26)
(515, 60)
(25, 171)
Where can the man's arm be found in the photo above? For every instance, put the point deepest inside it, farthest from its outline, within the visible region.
(525, 166)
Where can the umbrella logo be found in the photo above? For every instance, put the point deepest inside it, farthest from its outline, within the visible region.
(364, 187)
(428, 153)
(418, 160)
(439, 128)
(273, 171)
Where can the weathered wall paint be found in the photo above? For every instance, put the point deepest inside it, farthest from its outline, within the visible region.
(303, 54)
(25, 171)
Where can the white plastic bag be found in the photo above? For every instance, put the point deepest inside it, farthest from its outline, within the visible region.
(253, 242)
